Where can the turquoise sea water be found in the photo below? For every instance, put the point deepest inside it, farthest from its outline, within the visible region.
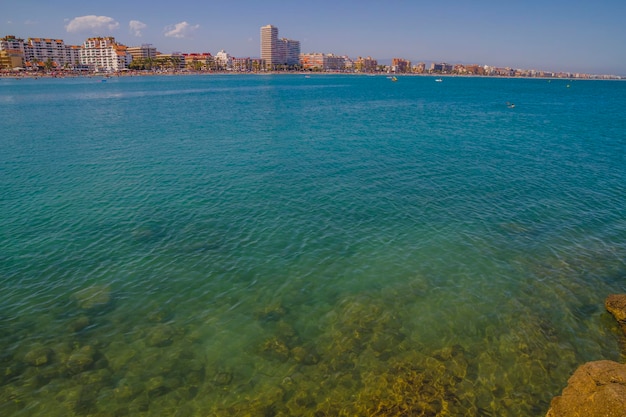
(282, 245)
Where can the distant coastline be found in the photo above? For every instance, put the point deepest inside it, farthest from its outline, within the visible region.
(133, 73)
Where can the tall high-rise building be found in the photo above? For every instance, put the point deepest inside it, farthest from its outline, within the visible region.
(270, 52)
(275, 51)
(292, 51)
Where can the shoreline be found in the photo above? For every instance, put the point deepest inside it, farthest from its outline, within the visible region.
(62, 74)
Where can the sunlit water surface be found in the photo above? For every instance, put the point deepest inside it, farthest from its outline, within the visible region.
(282, 245)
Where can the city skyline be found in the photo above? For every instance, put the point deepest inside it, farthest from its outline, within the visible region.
(559, 36)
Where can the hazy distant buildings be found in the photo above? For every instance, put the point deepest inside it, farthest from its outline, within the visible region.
(322, 62)
(441, 68)
(245, 64)
(276, 52)
(400, 65)
(367, 64)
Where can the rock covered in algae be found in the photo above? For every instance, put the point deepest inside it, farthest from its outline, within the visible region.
(595, 389)
(161, 335)
(128, 388)
(81, 359)
(96, 296)
(616, 305)
(275, 348)
(305, 355)
(79, 323)
(38, 356)
(119, 354)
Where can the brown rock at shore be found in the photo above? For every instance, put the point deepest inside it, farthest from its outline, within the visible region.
(595, 389)
(616, 305)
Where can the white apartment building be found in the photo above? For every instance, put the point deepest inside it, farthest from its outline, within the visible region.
(73, 55)
(104, 54)
(39, 50)
(224, 61)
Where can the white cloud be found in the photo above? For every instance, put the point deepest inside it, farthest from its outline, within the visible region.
(91, 23)
(180, 30)
(136, 27)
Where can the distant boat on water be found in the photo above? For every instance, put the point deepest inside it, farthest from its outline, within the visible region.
(394, 79)
(438, 80)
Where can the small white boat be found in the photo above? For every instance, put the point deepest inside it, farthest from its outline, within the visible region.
(438, 80)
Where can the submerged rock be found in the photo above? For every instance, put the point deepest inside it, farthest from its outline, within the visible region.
(595, 389)
(275, 348)
(616, 305)
(96, 296)
(81, 359)
(79, 323)
(160, 335)
(38, 356)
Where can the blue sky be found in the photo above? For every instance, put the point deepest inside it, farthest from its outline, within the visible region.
(577, 36)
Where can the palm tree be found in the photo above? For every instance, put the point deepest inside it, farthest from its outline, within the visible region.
(48, 65)
(196, 65)
(175, 62)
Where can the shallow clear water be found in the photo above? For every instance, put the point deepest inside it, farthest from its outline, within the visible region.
(281, 245)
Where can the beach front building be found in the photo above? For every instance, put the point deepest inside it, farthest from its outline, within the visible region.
(202, 61)
(143, 52)
(400, 65)
(322, 62)
(105, 55)
(174, 61)
(10, 60)
(11, 52)
(277, 52)
(41, 52)
(292, 51)
(270, 48)
(366, 64)
(46, 52)
(245, 64)
(441, 68)
(420, 68)
(223, 61)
